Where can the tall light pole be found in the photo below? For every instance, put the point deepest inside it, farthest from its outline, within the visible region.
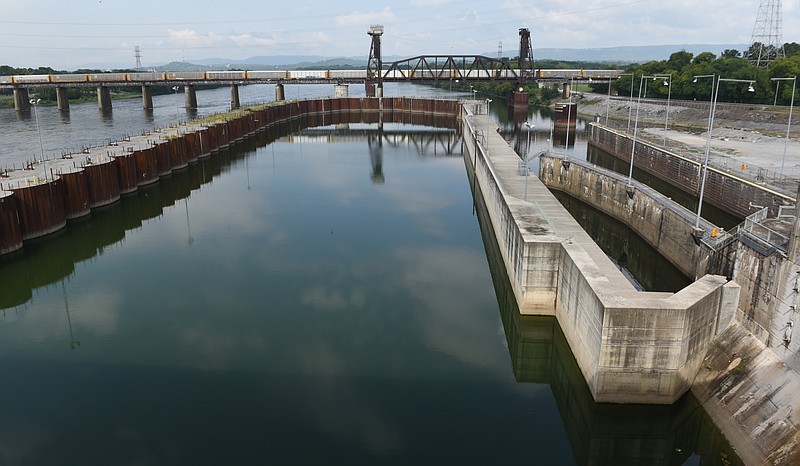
(630, 104)
(608, 99)
(177, 103)
(791, 107)
(569, 113)
(667, 82)
(527, 154)
(35, 103)
(708, 145)
(635, 128)
(715, 91)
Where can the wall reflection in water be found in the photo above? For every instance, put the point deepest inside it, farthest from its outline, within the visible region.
(600, 434)
(48, 260)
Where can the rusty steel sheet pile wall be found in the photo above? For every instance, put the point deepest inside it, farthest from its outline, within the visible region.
(76, 194)
(10, 234)
(725, 191)
(32, 207)
(40, 208)
(126, 172)
(102, 180)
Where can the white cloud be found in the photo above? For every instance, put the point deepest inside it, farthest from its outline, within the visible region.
(363, 19)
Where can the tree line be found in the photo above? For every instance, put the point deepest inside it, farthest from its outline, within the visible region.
(730, 64)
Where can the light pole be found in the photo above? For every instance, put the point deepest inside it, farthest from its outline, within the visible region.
(35, 103)
(791, 107)
(630, 104)
(708, 145)
(177, 103)
(608, 99)
(527, 154)
(642, 83)
(569, 113)
(715, 92)
(635, 129)
(667, 82)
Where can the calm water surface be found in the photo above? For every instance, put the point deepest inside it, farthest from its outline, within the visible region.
(321, 298)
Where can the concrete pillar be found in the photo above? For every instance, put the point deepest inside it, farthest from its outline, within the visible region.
(62, 99)
(103, 98)
(190, 96)
(567, 91)
(147, 98)
(280, 95)
(22, 101)
(341, 91)
(234, 96)
(379, 92)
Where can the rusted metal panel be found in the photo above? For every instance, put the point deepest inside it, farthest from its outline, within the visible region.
(163, 158)
(204, 143)
(126, 173)
(223, 135)
(40, 208)
(76, 194)
(103, 183)
(146, 166)
(191, 145)
(10, 233)
(177, 153)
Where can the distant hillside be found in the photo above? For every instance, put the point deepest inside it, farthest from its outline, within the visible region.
(610, 55)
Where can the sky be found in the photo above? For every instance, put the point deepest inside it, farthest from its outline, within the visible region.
(67, 34)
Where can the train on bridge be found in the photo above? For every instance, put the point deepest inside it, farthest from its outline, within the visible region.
(300, 75)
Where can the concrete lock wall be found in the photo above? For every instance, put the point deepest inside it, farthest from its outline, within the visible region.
(631, 347)
(722, 190)
(661, 222)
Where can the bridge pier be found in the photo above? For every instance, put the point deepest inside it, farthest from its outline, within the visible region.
(103, 98)
(22, 100)
(234, 96)
(190, 96)
(62, 99)
(147, 98)
(280, 94)
(341, 91)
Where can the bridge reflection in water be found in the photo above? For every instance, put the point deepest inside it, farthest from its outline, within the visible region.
(48, 260)
(602, 434)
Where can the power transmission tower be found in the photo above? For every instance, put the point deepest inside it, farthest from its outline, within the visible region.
(138, 54)
(766, 43)
(500, 50)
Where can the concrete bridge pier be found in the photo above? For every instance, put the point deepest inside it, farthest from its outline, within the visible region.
(234, 96)
(62, 99)
(103, 98)
(22, 100)
(280, 94)
(190, 96)
(147, 98)
(341, 91)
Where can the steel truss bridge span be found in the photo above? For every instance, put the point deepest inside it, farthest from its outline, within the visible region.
(420, 69)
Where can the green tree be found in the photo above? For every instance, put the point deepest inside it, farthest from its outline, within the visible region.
(730, 53)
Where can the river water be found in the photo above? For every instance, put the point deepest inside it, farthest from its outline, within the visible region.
(317, 295)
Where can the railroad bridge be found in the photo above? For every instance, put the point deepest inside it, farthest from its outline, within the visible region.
(421, 68)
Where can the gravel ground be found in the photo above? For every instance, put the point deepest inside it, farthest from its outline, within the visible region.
(749, 141)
